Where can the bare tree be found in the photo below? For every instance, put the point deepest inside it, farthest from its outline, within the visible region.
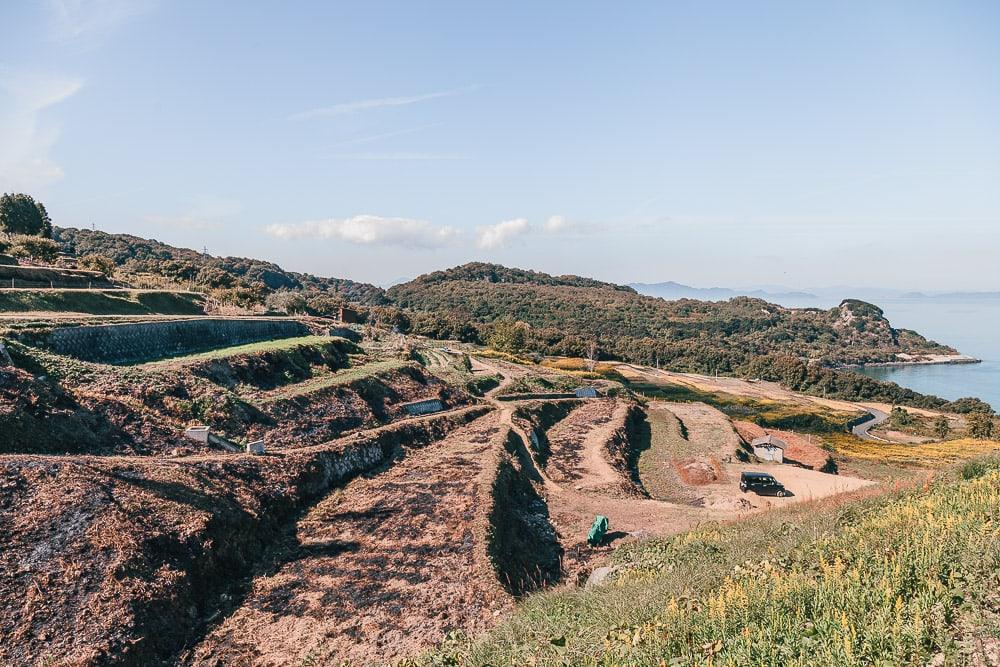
(593, 353)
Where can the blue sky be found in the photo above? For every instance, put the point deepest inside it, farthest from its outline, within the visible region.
(713, 143)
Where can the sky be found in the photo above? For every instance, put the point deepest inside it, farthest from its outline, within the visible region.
(799, 144)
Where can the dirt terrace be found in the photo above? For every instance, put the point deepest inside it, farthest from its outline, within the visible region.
(579, 455)
(384, 567)
(123, 560)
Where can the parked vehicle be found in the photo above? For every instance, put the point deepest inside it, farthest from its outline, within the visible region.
(763, 484)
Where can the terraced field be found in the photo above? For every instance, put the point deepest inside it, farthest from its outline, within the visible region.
(381, 568)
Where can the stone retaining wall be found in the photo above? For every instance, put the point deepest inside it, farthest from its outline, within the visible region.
(146, 341)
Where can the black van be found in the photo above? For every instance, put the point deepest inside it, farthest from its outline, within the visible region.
(762, 484)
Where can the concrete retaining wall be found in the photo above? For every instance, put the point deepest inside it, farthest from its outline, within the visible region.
(146, 341)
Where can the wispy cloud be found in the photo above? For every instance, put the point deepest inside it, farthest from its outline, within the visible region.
(369, 230)
(78, 19)
(384, 135)
(208, 213)
(378, 103)
(396, 156)
(502, 233)
(27, 135)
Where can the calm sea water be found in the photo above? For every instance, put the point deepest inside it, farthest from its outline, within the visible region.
(972, 326)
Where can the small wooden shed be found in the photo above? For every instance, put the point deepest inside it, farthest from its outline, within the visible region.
(769, 448)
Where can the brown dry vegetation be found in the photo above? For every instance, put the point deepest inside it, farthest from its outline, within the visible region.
(124, 560)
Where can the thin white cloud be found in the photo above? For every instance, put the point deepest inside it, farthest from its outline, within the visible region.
(502, 233)
(396, 156)
(378, 103)
(369, 230)
(556, 224)
(209, 213)
(27, 133)
(78, 19)
(384, 135)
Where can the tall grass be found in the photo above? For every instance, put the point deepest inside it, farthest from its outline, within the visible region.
(906, 579)
(925, 454)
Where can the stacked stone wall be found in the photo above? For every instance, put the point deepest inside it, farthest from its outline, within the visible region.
(146, 341)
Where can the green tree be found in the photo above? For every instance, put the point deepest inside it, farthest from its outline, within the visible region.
(941, 428)
(980, 425)
(21, 214)
(507, 335)
(43, 215)
(900, 418)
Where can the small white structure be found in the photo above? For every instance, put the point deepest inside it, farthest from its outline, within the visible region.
(197, 433)
(586, 392)
(769, 448)
(255, 447)
(423, 407)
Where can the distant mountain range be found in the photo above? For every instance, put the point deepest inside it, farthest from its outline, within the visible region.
(671, 290)
(823, 297)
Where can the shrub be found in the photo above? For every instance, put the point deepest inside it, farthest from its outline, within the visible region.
(99, 263)
(35, 248)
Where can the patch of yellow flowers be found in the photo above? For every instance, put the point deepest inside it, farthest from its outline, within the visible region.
(931, 453)
(887, 590)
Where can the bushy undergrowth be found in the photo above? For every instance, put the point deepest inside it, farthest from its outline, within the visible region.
(907, 579)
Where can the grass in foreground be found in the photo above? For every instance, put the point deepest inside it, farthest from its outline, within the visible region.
(926, 454)
(903, 579)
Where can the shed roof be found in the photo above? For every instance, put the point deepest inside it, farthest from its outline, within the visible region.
(769, 441)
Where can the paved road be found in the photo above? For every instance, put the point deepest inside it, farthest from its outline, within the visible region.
(862, 429)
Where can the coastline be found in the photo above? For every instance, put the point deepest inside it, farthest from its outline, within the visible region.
(928, 360)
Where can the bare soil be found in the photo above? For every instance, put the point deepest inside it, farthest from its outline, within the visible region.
(382, 568)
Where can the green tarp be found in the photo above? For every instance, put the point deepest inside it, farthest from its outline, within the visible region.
(597, 531)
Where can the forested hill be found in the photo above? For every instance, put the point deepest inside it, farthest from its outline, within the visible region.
(559, 314)
(245, 280)
(563, 315)
(495, 273)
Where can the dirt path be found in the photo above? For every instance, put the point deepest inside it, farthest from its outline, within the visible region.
(382, 568)
(577, 457)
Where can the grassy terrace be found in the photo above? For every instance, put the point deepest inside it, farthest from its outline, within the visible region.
(906, 578)
(339, 378)
(279, 345)
(667, 440)
(101, 302)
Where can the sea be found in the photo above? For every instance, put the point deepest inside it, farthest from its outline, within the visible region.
(970, 324)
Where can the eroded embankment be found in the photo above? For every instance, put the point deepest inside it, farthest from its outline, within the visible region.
(535, 418)
(521, 544)
(125, 560)
(388, 565)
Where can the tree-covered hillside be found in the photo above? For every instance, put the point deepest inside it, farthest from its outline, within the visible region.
(565, 314)
(243, 281)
